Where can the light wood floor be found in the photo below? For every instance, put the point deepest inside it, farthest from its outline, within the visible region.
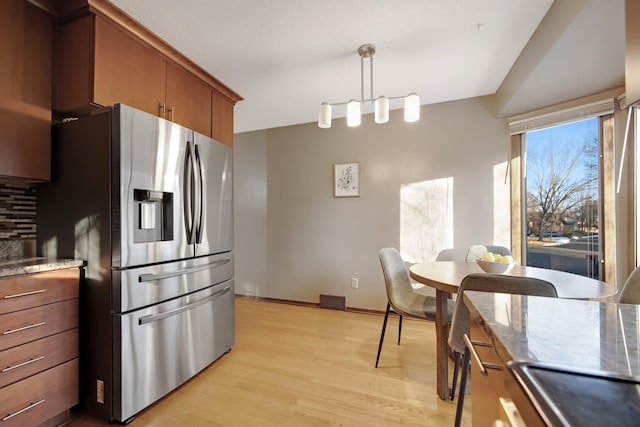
(306, 366)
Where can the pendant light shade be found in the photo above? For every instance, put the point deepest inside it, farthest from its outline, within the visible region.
(324, 118)
(412, 108)
(353, 113)
(381, 103)
(382, 109)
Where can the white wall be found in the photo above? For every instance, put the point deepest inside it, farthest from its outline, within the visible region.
(425, 186)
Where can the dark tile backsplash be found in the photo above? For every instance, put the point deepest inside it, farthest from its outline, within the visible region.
(17, 212)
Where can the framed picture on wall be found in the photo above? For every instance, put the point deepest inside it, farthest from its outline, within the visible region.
(346, 180)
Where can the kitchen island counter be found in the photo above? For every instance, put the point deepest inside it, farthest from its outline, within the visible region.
(551, 344)
(16, 267)
(578, 334)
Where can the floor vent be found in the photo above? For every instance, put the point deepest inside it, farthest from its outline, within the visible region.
(333, 302)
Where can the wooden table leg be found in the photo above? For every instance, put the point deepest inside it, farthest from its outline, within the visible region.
(442, 347)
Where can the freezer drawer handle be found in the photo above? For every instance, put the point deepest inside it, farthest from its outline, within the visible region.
(167, 275)
(24, 294)
(24, 328)
(25, 363)
(155, 317)
(26, 408)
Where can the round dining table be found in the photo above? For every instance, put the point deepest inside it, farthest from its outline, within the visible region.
(446, 276)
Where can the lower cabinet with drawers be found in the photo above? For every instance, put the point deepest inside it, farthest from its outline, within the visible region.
(487, 387)
(38, 347)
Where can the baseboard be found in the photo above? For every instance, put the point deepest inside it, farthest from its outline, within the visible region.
(309, 304)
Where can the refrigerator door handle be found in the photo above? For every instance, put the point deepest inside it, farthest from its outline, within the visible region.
(181, 272)
(155, 317)
(188, 194)
(199, 197)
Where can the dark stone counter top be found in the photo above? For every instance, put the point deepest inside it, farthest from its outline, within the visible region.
(592, 335)
(20, 266)
(580, 357)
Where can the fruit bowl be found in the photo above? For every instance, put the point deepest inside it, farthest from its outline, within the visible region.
(495, 267)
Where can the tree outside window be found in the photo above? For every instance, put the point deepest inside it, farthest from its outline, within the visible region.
(562, 197)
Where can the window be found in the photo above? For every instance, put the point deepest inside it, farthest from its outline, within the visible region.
(561, 189)
(592, 211)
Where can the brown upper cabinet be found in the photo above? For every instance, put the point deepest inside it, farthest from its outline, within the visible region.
(115, 68)
(105, 57)
(222, 116)
(188, 100)
(25, 89)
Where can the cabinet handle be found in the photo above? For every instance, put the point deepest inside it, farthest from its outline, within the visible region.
(150, 277)
(33, 325)
(155, 317)
(19, 365)
(171, 109)
(472, 350)
(26, 408)
(24, 294)
(162, 114)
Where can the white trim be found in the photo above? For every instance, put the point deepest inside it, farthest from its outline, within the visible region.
(584, 108)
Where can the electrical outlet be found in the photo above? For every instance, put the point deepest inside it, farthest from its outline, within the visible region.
(354, 283)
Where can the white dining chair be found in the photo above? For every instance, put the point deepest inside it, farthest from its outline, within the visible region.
(461, 322)
(402, 298)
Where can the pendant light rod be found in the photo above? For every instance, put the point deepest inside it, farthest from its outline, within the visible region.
(366, 51)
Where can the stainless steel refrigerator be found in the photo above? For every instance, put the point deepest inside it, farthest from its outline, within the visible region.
(148, 205)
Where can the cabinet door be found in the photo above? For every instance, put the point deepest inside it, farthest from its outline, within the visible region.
(72, 65)
(31, 290)
(486, 390)
(126, 70)
(22, 326)
(25, 89)
(188, 100)
(38, 398)
(36, 356)
(222, 119)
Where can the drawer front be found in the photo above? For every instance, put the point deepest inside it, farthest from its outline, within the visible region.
(487, 389)
(525, 407)
(40, 397)
(200, 325)
(28, 359)
(31, 290)
(29, 325)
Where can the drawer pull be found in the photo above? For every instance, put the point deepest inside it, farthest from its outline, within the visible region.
(183, 271)
(26, 408)
(33, 325)
(472, 350)
(155, 317)
(24, 294)
(19, 365)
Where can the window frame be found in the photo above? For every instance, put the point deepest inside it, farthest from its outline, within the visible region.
(599, 106)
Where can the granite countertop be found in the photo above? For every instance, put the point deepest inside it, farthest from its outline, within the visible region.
(20, 266)
(578, 334)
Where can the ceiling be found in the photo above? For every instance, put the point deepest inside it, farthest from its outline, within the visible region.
(285, 57)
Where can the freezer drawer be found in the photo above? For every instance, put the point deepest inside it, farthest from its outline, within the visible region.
(161, 347)
(143, 286)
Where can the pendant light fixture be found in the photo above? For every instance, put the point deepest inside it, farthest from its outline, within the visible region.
(381, 103)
